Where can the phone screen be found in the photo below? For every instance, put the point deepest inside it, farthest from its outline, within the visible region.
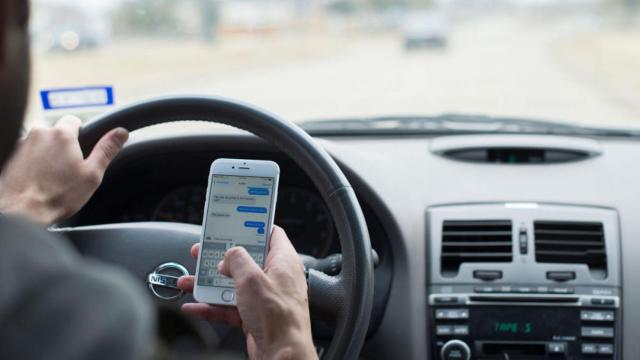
(238, 214)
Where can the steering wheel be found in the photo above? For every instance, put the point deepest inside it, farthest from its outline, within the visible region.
(142, 247)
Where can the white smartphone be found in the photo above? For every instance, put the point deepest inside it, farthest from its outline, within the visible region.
(239, 210)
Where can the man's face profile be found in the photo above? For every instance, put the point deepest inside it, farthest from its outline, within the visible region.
(14, 71)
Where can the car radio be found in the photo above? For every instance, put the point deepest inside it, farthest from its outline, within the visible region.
(530, 323)
(523, 281)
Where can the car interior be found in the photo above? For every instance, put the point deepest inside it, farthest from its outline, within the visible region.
(488, 244)
(424, 237)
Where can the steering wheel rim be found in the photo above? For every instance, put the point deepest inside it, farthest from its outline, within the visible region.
(349, 295)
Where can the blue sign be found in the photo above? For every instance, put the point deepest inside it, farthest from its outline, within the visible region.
(66, 98)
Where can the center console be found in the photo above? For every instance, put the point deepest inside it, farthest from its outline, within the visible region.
(523, 281)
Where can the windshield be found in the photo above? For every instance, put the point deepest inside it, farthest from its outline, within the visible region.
(575, 62)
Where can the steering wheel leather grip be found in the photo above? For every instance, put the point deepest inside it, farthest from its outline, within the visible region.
(348, 295)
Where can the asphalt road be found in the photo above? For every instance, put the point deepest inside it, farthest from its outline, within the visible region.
(496, 66)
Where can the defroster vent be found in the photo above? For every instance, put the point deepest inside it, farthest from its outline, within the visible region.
(565, 242)
(474, 241)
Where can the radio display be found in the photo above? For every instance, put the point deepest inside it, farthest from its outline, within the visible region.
(513, 327)
(531, 323)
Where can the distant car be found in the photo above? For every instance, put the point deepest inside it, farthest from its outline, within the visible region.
(425, 29)
(73, 40)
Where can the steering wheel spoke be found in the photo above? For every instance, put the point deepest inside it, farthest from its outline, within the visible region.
(326, 292)
(154, 252)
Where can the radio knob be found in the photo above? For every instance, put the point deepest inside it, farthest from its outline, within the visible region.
(455, 350)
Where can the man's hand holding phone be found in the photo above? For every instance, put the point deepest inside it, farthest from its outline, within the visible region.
(272, 304)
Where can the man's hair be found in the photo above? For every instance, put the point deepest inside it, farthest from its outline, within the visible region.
(14, 72)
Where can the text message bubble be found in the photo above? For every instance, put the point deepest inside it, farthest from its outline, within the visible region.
(219, 214)
(258, 191)
(234, 199)
(258, 225)
(254, 224)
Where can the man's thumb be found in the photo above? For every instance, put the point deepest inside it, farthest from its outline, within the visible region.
(108, 148)
(237, 263)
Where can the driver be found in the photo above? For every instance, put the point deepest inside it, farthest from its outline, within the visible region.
(55, 304)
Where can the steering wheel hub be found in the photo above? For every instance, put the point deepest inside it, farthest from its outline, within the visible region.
(163, 281)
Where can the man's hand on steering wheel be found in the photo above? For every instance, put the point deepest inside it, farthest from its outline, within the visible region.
(273, 307)
(48, 179)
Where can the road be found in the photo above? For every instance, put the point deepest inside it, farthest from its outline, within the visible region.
(497, 65)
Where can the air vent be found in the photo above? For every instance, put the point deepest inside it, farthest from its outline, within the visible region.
(474, 241)
(515, 149)
(572, 243)
(503, 155)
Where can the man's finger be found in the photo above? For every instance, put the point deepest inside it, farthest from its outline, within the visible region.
(69, 124)
(223, 314)
(195, 250)
(279, 241)
(107, 148)
(186, 283)
(237, 263)
(281, 251)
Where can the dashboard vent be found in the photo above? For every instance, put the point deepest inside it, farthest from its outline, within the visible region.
(474, 241)
(515, 155)
(572, 243)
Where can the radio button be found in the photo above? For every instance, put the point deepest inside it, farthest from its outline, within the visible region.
(455, 350)
(542, 289)
(561, 275)
(445, 299)
(443, 330)
(523, 290)
(460, 330)
(485, 289)
(562, 290)
(589, 349)
(605, 349)
(556, 348)
(587, 315)
(601, 301)
(452, 314)
(597, 332)
(487, 275)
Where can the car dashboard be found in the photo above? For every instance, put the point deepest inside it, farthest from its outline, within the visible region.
(489, 244)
